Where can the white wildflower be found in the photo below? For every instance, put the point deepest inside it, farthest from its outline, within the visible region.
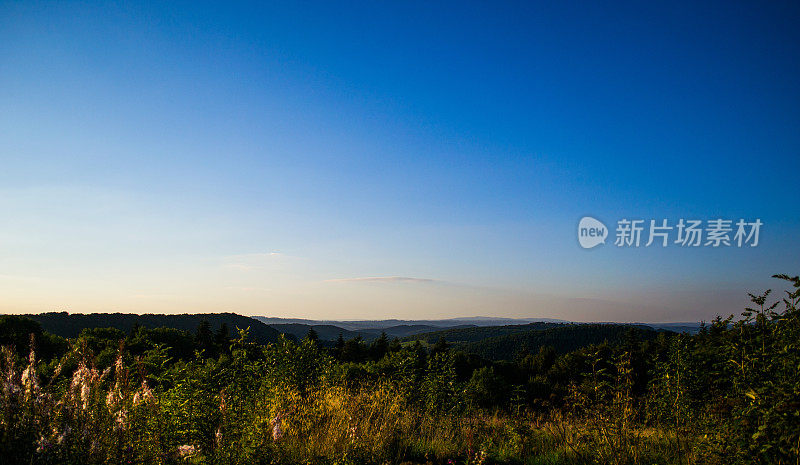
(186, 450)
(277, 430)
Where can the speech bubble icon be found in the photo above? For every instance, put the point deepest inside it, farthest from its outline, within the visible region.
(591, 232)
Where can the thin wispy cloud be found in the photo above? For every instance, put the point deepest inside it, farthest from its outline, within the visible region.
(383, 279)
(245, 288)
(251, 261)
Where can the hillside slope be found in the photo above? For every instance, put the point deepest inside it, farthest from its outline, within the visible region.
(479, 333)
(70, 325)
(506, 342)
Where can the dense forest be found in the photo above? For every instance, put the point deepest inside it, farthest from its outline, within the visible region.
(214, 392)
(506, 342)
(330, 332)
(70, 325)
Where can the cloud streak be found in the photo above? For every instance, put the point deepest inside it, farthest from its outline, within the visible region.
(251, 261)
(383, 279)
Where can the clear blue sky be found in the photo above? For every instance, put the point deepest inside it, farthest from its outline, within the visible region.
(265, 159)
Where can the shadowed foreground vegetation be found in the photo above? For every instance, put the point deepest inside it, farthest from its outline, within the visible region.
(730, 394)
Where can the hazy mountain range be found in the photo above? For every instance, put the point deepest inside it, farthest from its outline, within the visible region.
(485, 335)
(369, 329)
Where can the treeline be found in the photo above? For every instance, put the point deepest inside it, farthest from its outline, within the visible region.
(477, 333)
(24, 334)
(508, 342)
(70, 325)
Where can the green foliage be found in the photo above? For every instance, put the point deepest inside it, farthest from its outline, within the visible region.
(486, 389)
(727, 395)
(70, 325)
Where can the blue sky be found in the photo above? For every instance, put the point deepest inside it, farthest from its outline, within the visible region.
(265, 159)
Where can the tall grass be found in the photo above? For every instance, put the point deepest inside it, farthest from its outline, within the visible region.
(251, 409)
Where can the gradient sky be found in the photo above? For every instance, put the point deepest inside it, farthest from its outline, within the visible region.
(392, 159)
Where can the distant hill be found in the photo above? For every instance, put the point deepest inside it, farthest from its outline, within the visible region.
(687, 327)
(401, 328)
(383, 324)
(324, 332)
(409, 330)
(493, 342)
(505, 342)
(70, 325)
(327, 332)
(479, 333)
